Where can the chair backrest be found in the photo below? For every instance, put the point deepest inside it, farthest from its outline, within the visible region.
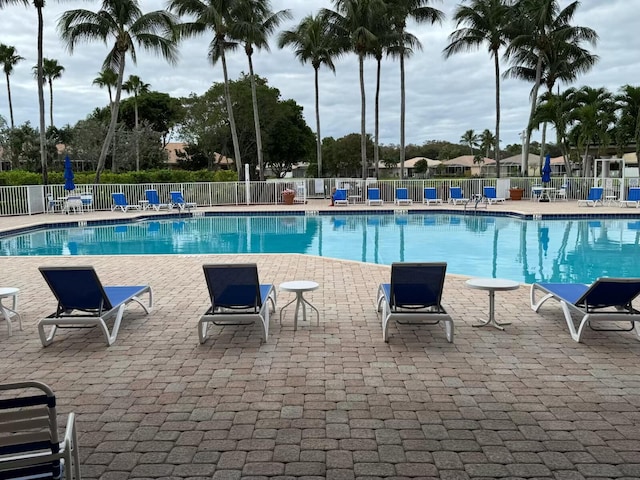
(455, 192)
(417, 285)
(340, 194)
(29, 430)
(402, 193)
(373, 194)
(119, 199)
(610, 292)
(76, 288)
(489, 192)
(176, 197)
(233, 286)
(634, 194)
(430, 193)
(152, 197)
(595, 193)
(86, 198)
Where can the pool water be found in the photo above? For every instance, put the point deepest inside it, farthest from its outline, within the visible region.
(501, 247)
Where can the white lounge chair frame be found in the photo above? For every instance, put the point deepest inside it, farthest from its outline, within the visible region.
(621, 313)
(429, 201)
(372, 201)
(462, 200)
(403, 201)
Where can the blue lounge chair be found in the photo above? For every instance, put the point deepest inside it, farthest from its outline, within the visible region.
(402, 197)
(30, 446)
(595, 197)
(455, 196)
(431, 196)
(414, 296)
(633, 199)
(237, 298)
(490, 194)
(373, 196)
(340, 197)
(177, 200)
(607, 299)
(154, 200)
(120, 202)
(84, 302)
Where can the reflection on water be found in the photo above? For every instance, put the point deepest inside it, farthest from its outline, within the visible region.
(555, 250)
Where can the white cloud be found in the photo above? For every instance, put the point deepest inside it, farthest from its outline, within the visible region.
(444, 97)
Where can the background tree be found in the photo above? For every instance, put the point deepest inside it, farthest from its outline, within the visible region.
(255, 23)
(51, 70)
(628, 127)
(401, 12)
(108, 78)
(125, 24)
(217, 16)
(137, 87)
(488, 140)
(9, 58)
(159, 110)
(485, 22)
(344, 157)
(312, 43)
(470, 139)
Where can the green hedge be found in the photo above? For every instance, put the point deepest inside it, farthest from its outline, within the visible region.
(21, 177)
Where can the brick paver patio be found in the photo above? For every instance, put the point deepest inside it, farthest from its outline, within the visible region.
(329, 401)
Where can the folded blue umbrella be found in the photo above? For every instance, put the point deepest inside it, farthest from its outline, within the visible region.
(68, 175)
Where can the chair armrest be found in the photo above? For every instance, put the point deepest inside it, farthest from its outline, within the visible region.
(69, 447)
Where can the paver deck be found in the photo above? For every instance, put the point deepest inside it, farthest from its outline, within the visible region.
(329, 401)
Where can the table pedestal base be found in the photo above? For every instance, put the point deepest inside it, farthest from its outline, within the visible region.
(301, 303)
(492, 319)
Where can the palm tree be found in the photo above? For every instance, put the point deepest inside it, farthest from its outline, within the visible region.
(470, 139)
(402, 11)
(217, 16)
(51, 70)
(39, 5)
(9, 58)
(136, 86)
(353, 24)
(629, 124)
(488, 140)
(255, 22)
(125, 24)
(312, 43)
(540, 31)
(485, 23)
(109, 79)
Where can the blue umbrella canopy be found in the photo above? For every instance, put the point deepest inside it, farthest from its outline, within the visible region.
(68, 175)
(546, 169)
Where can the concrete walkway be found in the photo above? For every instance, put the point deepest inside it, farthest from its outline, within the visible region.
(329, 401)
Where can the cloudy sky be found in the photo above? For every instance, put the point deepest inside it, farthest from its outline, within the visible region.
(444, 97)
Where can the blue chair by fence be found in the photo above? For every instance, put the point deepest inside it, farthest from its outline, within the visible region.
(431, 196)
(594, 198)
(120, 203)
(606, 300)
(340, 197)
(491, 195)
(414, 296)
(402, 197)
(177, 200)
(84, 302)
(154, 200)
(633, 199)
(373, 196)
(456, 195)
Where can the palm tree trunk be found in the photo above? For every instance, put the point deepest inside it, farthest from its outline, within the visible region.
(402, 115)
(232, 122)
(496, 153)
(256, 118)
(363, 124)
(112, 124)
(319, 137)
(586, 171)
(51, 102)
(543, 145)
(10, 102)
(534, 101)
(135, 112)
(43, 137)
(376, 146)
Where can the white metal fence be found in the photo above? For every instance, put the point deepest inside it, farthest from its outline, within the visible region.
(32, 199)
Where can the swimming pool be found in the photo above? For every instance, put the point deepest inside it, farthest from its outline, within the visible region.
(504, 247)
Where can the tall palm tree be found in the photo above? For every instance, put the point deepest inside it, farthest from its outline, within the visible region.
(107, 78)
(51, 70)
(487, 140)
(312, 43)
(485, 22)
(255, 22)
(540, 30)
(470, 139)
(136, 86)
(9, 58)
(39, 6)
(122, 22)
(218, 17)
(628, 102)
(353, 23)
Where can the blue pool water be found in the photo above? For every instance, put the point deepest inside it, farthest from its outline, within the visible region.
(504, 247)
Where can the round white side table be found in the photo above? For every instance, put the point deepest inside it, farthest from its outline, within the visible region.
(8, 313)
(492, 285)
(299, 287)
